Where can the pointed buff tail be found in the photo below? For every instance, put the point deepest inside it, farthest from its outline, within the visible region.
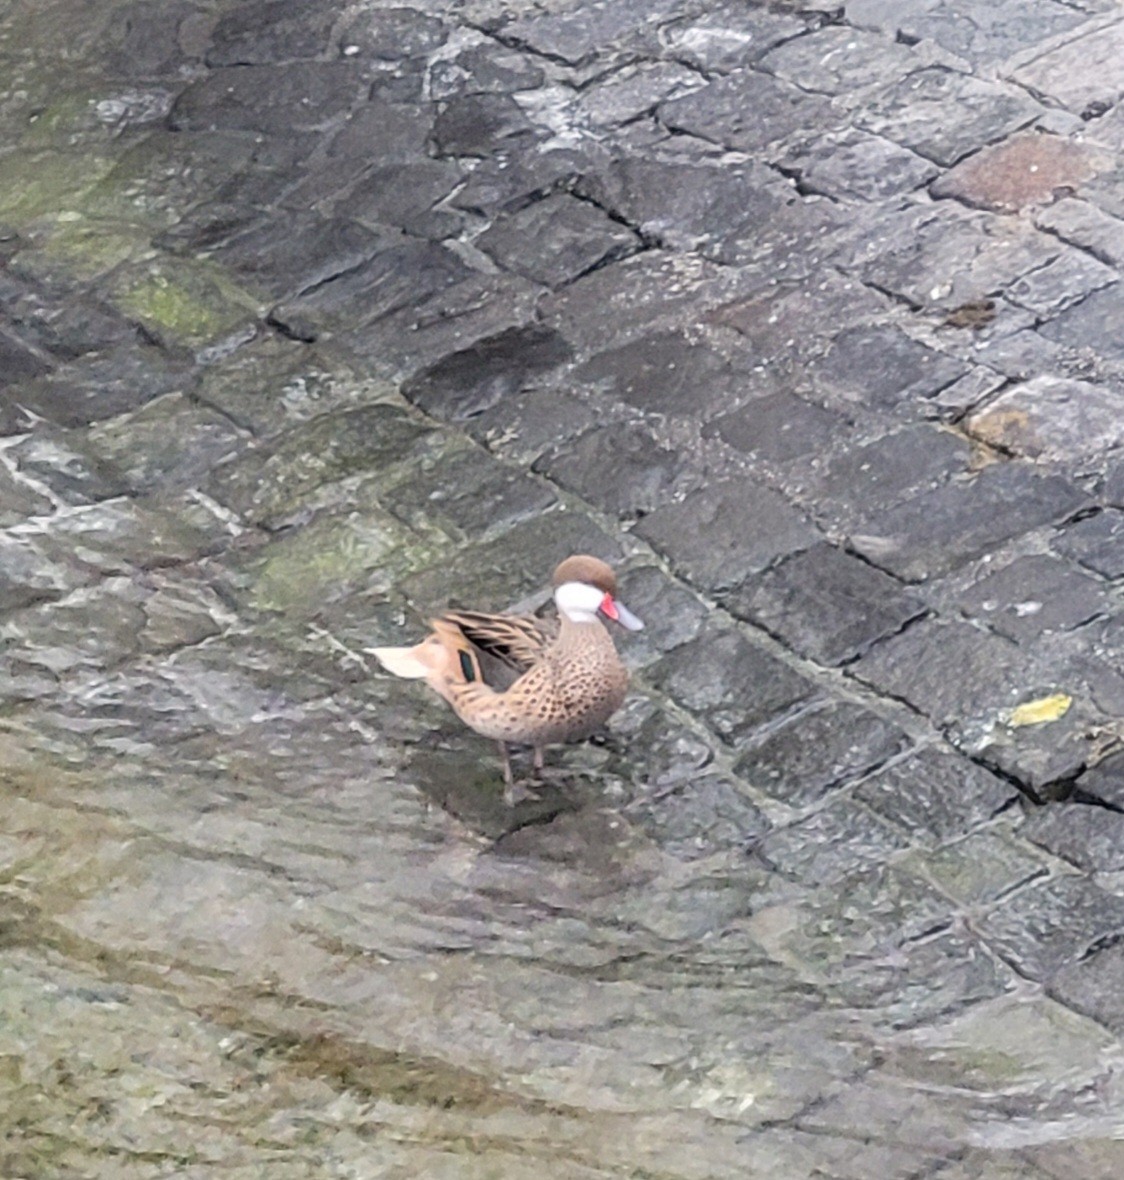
(445, 659)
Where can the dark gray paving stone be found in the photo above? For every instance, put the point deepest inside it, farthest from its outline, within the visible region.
(395, 279)
(1088, 836)
(950, 672)
(667, 373)
(497, 573)
(816, 752)
(1052, 924)
(1069, 279)
(449, 318)
(936, 796)
(1105, 781)
(826, 604)
(863, 481)
(272, 482)
(274, 99)
(270, 31)
(942, 256)
(647, 292)
(1095, 987)
(1052, 419)
(467, 383)
(747, 111)
(1032, 595)
(882, 367)
(404, 195)
(729, 683)
(146, 40)
(469, 489)
(1083, 73)
(392, 34)
(838, 59)
(485, 69)
(618, 468)
(777, 427)
(67, 466)
(527, 422)
(855, 165)
(1093, 323)
(728, 36)
(28, 576)
(99, 387)
(170, 442)
(477, 124)
(719, 535)
(556, 239)
(578, 37)
(705, 817)
(1097, 542)
(1084, 225)
(938, 531)
(829, 846)
(314, 251)
(19, 362)
(381, 132)
(18, 501)
(633, 92)
(981, 868)
(784, 325)
(989, 33)
(943, 115)
(671, 614)
(508, 179)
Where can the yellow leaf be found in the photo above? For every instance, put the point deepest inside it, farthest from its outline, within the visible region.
(1040, 711)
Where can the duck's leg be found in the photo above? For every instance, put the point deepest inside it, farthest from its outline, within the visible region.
(509, 795)
(537, 761)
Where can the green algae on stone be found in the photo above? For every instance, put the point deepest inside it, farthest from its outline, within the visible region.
(71, 245)
(302, 571)
(34, 184)
(183, 303)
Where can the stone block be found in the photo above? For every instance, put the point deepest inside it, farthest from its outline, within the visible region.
(1085, 834)
(403, 195)
(671, 614)
(668, 373)
(1052, 924)
(1060, 284)
(825, 604)
(475, 124)
(1097, 542)
(1095, 987)
(838, 59)
(1084, 225)
(619, 468)
(556, 240)
(706, 816)
(981, 868)
(273, 99)
(746, 111)
(728, 36)
(635, 90)
(881, 367)
(827, 847)
(1033, 595)
(945, 116)
(391, 34)
(1085, 73)
(1024, 170)
(857, 166)
(483, 376)
(579, 36)
(1104, 782)
(940, 530)
(270, 31)
(1051, 419)
(726, 681)
(818, 751)
(468, 489)
(937, 796)
(1093, 323)
(860, 482)
(719, 535)
(985, 34)
(777, 427)
(485, 69)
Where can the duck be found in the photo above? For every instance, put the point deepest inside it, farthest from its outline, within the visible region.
(524, 680)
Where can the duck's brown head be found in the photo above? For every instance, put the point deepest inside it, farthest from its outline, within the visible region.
(584, 585)
(590, 570)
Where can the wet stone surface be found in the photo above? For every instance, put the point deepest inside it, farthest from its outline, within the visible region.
(316, 319)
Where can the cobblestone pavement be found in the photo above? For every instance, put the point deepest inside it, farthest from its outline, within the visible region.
(317, 316)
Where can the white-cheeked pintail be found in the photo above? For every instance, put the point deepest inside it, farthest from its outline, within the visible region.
(518, 678)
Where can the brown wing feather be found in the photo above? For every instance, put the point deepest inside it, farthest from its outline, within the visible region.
(516, 641)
